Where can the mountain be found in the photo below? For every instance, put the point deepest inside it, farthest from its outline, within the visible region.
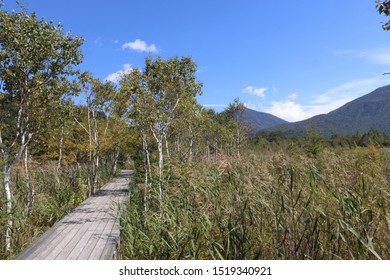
(258, 120)
(371, 111)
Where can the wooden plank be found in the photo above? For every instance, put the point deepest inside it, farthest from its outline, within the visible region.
(109, 251)
(93, 240)
(42, 244)
(82, 242)
(103, 239)
(82, 229)
(67, 231)
(91, 231)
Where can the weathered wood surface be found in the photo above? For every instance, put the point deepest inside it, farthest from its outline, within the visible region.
(90, 232)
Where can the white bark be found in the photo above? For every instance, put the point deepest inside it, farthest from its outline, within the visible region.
(191, 142)
(167, 149)
(60, 156)
(115, 164)
(7, 169)
(145, 148)
(159, 140)
(160, 164)
(178, 150)
(30, 188)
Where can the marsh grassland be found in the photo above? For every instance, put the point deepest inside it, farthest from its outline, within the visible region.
(270, 204)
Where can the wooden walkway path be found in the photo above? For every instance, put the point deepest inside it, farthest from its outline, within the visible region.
(90, 232)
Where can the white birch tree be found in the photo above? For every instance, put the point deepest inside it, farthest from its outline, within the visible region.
(36, 59)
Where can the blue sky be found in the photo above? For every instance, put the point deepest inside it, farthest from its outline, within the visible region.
(294, 59)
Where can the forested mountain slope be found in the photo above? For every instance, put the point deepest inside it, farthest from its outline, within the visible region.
(258, 121)
(371, 111)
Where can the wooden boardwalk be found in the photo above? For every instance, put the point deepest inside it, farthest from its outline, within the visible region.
(90, 232)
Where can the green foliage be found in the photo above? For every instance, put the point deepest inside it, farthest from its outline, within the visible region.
(36, 57)
(383, 7)
(36, 60)
(314, 141)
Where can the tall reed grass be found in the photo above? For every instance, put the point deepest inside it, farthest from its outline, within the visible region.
(268, 205)
(53, 199)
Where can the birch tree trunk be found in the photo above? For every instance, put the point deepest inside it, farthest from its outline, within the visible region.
(191, 142)
(60, 156)
(8, 210)
(178, 150)
(91, 165)
(7, 187)
(30, 188)
(115, 163)
(159, 140)
(167, 149)
(160, 164)
(145, 147)
(95, 153)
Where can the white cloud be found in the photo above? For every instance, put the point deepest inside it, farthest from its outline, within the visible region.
(288, 110)
(293, 96)
(350, 90)
(115, 77)
(257, 106)
(215, 105)
(375, 56)
(260, 92)
(330, 100)
(140, 46)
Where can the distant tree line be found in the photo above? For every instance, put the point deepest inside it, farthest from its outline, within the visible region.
(372, 137)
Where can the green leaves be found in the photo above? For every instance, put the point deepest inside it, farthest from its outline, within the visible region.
(36, 61)
(34, 52)
(383, 7)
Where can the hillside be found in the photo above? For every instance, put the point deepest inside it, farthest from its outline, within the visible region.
(259, 120)
(371, 111)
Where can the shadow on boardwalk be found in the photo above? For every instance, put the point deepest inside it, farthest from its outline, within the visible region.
(90, 232)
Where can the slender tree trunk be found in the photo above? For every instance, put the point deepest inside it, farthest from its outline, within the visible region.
(30, 188)
(159, 140)
(8, 210)
(115, 163)
(7, 187)
(60, 156)
(91, 165)
(107, 121)
(145, 147)
(160, 165)
(167, 149)
(178, 150)
(95, 152)
(96, 173)
(148, 160)
(191, 143)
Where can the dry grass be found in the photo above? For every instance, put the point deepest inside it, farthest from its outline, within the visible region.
(271, 205)
(53, 200)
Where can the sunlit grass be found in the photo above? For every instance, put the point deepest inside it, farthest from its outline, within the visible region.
(53, 200)
(272, 205)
